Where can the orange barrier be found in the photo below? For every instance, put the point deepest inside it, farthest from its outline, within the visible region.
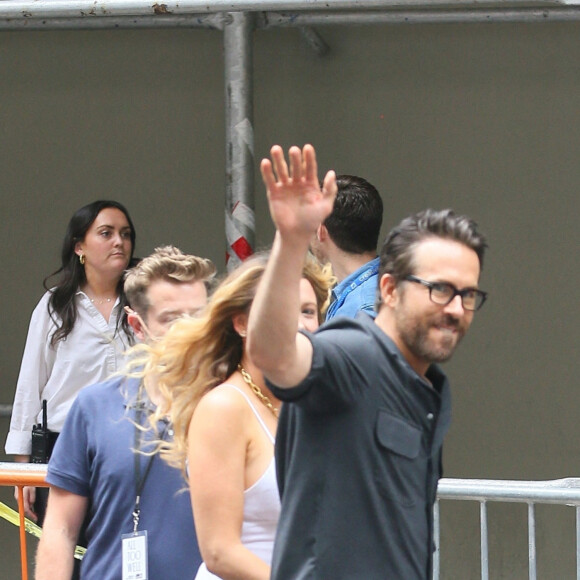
(21, 475)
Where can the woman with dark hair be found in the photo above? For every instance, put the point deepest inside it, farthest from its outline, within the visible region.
(78, 331)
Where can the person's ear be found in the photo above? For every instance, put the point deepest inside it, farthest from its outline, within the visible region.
(79, 249)
(389, 290)
(322, 233)
(240, 322)
(136, 323)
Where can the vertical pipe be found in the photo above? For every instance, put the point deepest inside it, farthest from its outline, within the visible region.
(239, 211)
(577, 542)
(23, 557)
(436, 537)
(531, 541)
(484, 545)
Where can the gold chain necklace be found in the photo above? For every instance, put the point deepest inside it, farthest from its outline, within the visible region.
(257, 391)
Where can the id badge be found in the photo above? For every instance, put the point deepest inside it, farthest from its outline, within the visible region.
(135, 556)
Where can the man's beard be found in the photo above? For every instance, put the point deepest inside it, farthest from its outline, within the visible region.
(415, 334)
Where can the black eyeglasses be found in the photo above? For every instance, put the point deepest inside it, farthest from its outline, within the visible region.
(443, 293)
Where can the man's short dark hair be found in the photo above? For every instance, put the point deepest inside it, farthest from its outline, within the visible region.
(355, 222)
(398, 251)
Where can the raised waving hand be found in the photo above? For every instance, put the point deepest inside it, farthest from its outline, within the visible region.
(298, 205)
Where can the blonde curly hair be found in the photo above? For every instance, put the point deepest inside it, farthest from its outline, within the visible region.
(322, 280)
(197, 354)
(165, 263)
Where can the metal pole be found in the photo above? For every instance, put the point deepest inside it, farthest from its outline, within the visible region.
(213, 21)
(463, 15)
(437, 538)
(107, 8)
(240, 221)
(302, 20)
(531, 542)
(577, 542)
(484, 541)
(22, 531)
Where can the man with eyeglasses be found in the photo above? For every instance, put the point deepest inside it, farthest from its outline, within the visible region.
(358, 447)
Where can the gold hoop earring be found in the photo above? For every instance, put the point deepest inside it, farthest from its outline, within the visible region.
(82, 259)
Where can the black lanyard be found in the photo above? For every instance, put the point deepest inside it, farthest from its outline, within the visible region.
(140, 481)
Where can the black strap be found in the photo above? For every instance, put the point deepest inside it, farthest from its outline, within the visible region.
(140, 481)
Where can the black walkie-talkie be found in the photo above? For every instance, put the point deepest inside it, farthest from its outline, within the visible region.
(43, 439)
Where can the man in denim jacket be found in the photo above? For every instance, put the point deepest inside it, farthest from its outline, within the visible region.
(348, 240)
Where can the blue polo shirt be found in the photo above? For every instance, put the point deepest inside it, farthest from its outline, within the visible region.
(356, 292)
(93, 458)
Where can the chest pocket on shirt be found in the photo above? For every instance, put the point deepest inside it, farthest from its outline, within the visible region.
(400, 469)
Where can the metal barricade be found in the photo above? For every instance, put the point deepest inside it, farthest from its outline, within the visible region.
(558, 491)
(21, 475)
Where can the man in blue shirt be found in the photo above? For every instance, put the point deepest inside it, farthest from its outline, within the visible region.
(348, 240)
(94, 471)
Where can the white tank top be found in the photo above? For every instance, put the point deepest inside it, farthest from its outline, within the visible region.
(261, 508)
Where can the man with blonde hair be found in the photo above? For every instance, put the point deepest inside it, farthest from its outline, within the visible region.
(139, 525)
(164, 286)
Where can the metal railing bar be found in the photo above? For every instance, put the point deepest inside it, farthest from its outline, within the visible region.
(484, 541)
(112, 8)
(23, 474)
(559, 491)
(20, 475)
(208, 21)
(269, 20)
(531, 541)
(436, 538)
(577, 543)
(22, 530)
(424, 16)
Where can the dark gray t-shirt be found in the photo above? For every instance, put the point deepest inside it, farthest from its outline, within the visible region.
(358, 456)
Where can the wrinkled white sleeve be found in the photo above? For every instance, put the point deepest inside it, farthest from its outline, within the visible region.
(36, 367)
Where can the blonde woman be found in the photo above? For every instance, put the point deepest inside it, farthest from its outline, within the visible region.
(224, 419)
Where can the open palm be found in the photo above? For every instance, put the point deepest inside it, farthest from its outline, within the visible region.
(298, 205)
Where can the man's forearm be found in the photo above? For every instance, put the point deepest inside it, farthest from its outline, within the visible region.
(298, 205)
(273, 320)
(64, 517)
(54, 556)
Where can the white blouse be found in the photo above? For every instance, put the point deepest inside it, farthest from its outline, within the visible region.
(89, 354)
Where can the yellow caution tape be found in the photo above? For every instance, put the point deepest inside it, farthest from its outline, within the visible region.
(14, 518)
